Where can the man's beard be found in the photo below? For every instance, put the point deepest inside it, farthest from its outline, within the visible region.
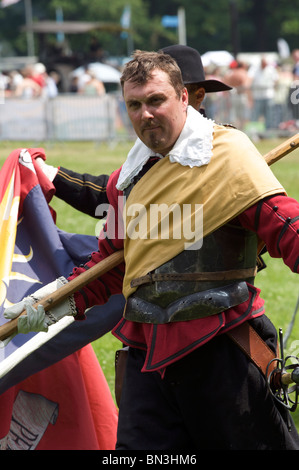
(154, 142)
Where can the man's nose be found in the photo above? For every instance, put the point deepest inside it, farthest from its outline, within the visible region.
(146, 112)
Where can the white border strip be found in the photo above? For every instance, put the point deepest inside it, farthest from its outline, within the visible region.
(32, 345)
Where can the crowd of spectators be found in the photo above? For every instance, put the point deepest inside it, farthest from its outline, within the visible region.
(264, 92)
(34, 81)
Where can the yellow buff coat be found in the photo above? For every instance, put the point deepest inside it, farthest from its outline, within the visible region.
(236, 178)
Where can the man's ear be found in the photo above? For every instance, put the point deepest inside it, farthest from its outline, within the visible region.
(200, 94)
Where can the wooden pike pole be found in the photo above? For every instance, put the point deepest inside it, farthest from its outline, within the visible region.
(9, 328)
(282, 150)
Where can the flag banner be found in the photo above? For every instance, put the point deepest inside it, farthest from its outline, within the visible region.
(125, 21)
(169, 21)
(33, 253)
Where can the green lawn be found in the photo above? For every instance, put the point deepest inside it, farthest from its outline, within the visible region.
(280, 287)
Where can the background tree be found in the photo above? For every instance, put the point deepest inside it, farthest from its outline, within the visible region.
(209, 25)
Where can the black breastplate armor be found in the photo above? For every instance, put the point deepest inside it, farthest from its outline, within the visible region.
(229, 248)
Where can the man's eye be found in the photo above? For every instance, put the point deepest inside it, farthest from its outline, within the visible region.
(156, 100)
(134, 105)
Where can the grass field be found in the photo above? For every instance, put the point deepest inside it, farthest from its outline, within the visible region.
(280, 287)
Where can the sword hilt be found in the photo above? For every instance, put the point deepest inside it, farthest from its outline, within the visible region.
(283, 380)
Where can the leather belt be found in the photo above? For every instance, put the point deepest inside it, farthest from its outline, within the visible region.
(253, 346)
(232, 274)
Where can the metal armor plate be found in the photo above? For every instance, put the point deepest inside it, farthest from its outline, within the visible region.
(230, 247)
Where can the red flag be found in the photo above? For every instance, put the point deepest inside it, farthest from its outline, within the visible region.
(67, 405)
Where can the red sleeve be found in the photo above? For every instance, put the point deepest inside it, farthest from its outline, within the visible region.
(110, 240)
(276, 221)
(46, 185)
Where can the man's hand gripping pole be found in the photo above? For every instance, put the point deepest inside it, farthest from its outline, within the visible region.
(11, 327)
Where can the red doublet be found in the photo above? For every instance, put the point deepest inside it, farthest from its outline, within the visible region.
(276, 222)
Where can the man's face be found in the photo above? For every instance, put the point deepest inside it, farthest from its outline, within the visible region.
(156, 112)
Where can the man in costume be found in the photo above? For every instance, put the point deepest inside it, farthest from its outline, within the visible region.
(188, 386)
(84, 191)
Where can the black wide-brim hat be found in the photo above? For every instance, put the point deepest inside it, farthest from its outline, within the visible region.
(189, 61)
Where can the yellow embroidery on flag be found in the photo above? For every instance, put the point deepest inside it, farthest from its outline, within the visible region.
(8, 227)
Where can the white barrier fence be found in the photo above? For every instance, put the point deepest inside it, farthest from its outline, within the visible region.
(66, 117)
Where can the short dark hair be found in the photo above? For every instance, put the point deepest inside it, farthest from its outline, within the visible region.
(140, 68)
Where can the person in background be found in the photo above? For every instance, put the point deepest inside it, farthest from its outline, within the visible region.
(264, 77)
(93, 86)
(28, 87)
(240, 97)
(51, 85)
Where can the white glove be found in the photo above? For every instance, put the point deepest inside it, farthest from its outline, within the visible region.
(48, 170)
(37, 319)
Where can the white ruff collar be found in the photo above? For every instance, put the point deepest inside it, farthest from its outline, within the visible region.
(193, 148)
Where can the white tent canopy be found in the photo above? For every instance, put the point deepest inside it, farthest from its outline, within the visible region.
(103, 72)
(219, 58)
